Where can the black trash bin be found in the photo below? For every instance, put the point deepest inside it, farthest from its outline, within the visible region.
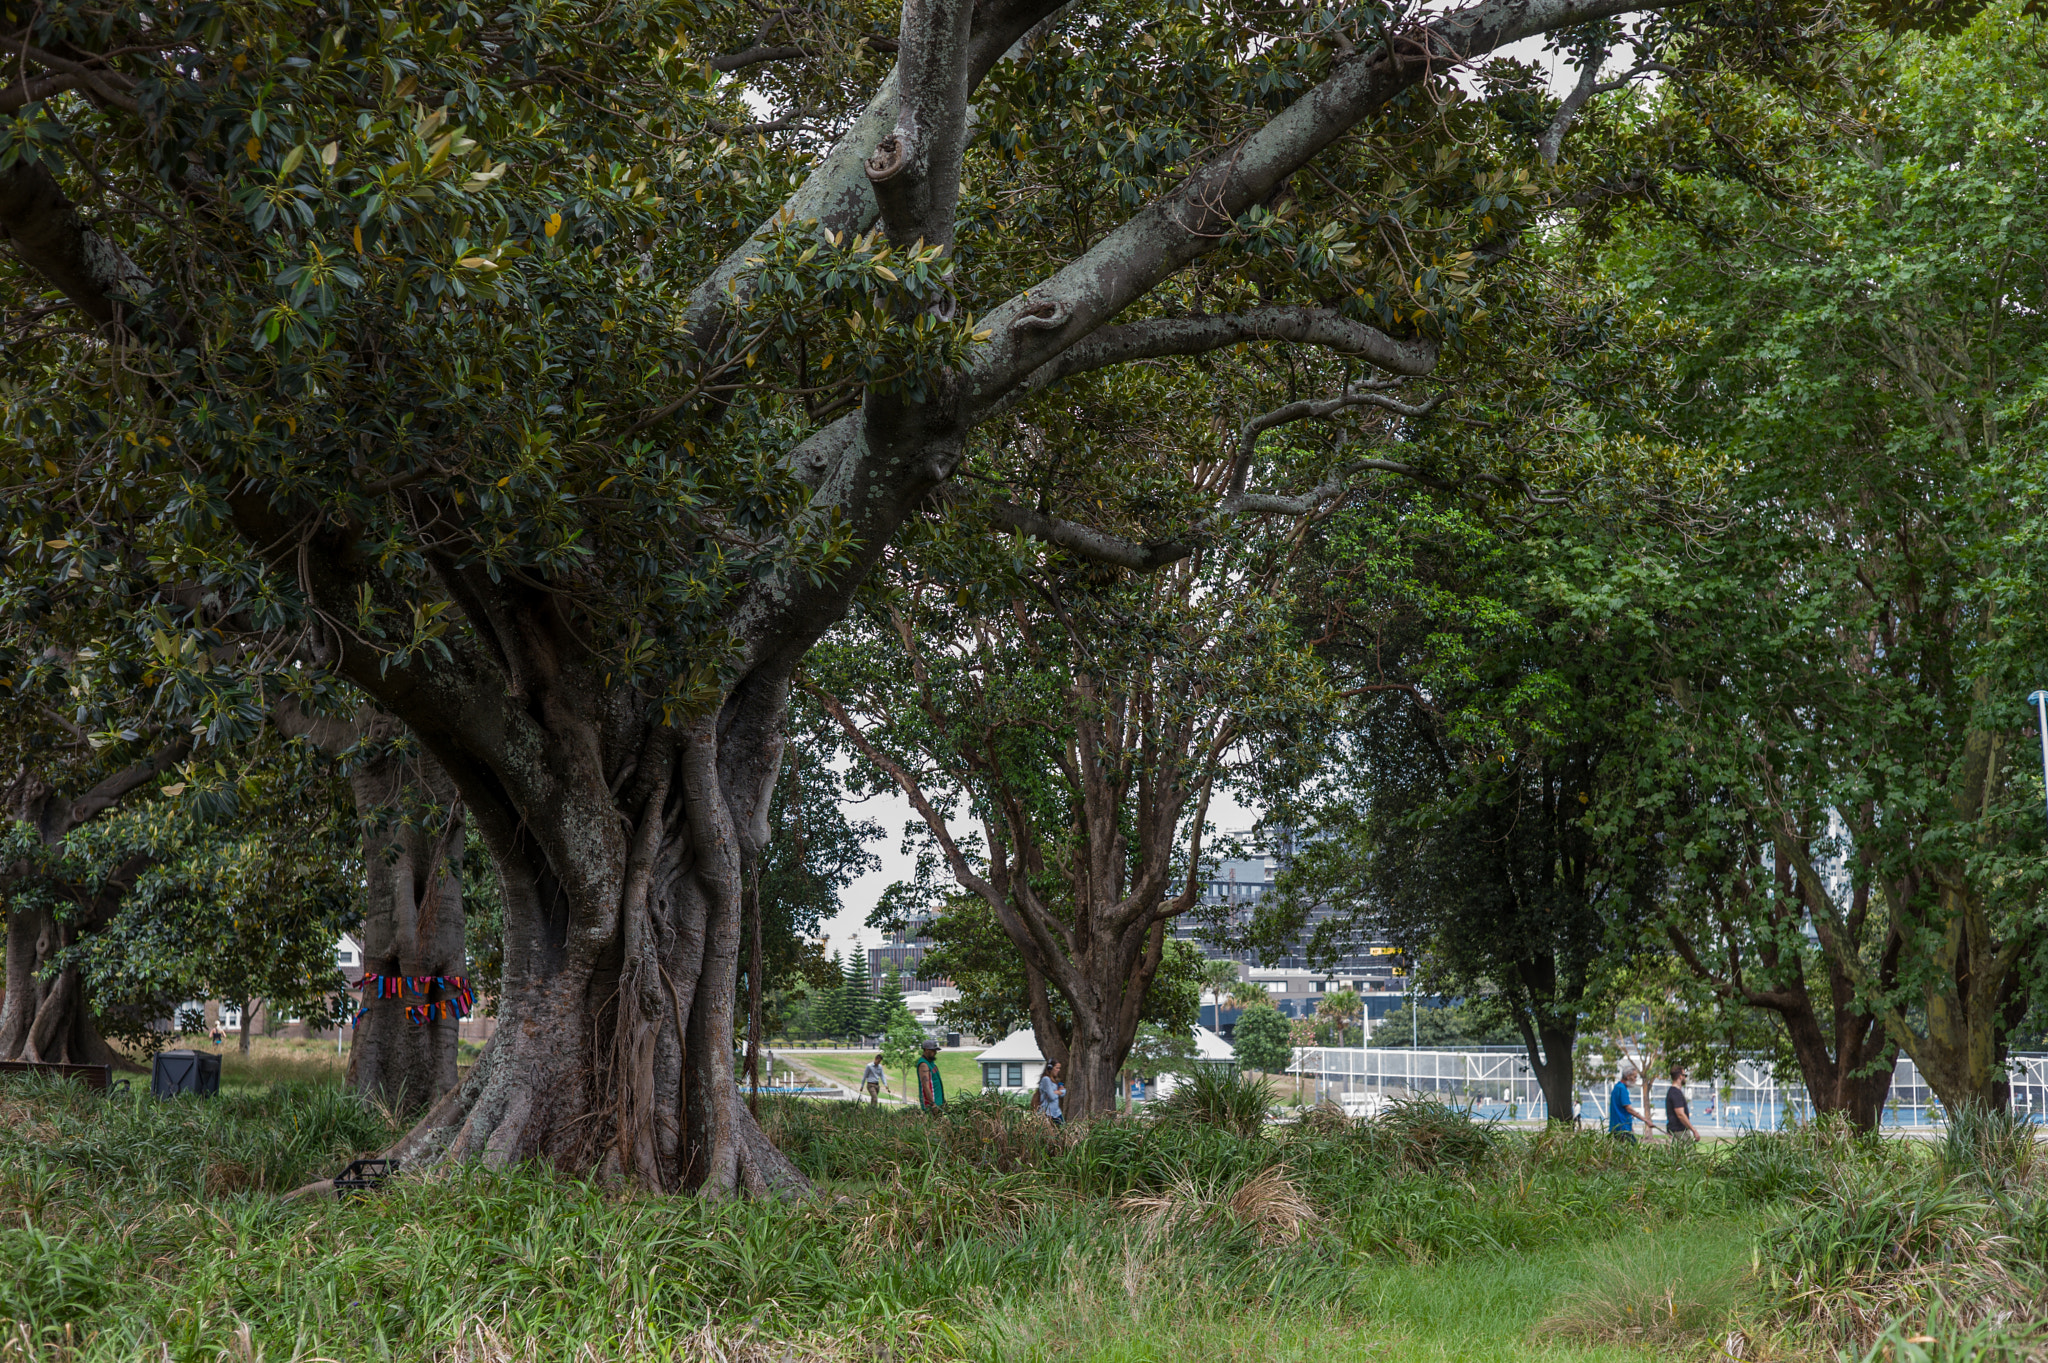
(179, 1072)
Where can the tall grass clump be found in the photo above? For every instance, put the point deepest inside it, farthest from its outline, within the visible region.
(1869, 1247)
(1238, 1103)
(1993, 1144)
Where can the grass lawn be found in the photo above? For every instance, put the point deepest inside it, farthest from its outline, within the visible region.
(131, 1228)
(961, 1074)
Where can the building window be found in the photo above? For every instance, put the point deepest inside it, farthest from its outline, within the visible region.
(1273, 986)
(348, 958)
(1016, 1074)
(991, 1076)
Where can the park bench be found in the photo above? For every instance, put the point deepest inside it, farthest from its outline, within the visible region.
(97, 1077)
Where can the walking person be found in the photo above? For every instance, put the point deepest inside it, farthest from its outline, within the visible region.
(871, 1079)
(1621, 1114)
(1050, 1092)
(931, 1090)
(1678, 1108)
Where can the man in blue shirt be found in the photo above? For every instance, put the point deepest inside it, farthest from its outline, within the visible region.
(1620, 1113)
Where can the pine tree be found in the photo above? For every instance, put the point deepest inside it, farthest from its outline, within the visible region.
(856, 995)
(828, 1012)
(888, 999)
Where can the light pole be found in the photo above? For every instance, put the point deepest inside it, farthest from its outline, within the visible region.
(2040, 699)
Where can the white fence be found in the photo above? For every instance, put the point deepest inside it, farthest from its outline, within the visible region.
(1499, 1083)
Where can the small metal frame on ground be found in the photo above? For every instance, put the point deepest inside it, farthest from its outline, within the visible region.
(363, 1176)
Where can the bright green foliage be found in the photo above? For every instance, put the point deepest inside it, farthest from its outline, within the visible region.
(902, 1042)
(1262, 1040)
(237, 889)
(1843, 747)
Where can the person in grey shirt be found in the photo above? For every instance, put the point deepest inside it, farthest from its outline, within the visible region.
(1050, 1091)
(871, 1079)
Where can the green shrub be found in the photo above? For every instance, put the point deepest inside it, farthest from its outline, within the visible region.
(1234, 1102)
(1993, 1144)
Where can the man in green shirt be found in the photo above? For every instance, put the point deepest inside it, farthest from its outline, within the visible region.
(931, 1090)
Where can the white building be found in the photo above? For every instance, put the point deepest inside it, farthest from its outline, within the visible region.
(924, 1005)
(1015, 1061)
(1211, 1052)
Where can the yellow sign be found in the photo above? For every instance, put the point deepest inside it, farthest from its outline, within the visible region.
(1386, 951)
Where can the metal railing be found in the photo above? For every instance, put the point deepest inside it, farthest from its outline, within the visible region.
(1499, 1083)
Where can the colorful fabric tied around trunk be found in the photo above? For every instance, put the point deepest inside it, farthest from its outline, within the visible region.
(461, 1001)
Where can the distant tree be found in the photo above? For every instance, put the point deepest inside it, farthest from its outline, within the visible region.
(857, 998)
(1246, 994)
(887, 1003)
(1219, 977)
(972, 950)
(1342, 1009)
(1450, 1025)
(1263, 1039)
(902, 1041)
(828, 1000)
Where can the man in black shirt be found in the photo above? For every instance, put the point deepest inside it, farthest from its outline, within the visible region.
(1678, 1109)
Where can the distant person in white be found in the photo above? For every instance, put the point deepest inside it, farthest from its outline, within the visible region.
(1050, 1091)
(871, 1079)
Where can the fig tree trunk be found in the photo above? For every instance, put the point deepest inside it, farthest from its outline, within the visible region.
(412, 927)
(47, 1014)
(413, 924)
(615, 1044)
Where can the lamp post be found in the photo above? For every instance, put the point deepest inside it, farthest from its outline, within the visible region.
(2040, 699)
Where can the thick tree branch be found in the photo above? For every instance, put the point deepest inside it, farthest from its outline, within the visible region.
(755, 56)
(1552, 140)
(1037, 325)
(108, 85)
(1097, 545)
(126, 781)
(50, 238)
(1197, 335)
(27, 91)
(915, 170)
(1551, 143)
(837, 194)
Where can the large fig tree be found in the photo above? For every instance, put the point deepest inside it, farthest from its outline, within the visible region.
(559, 400)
